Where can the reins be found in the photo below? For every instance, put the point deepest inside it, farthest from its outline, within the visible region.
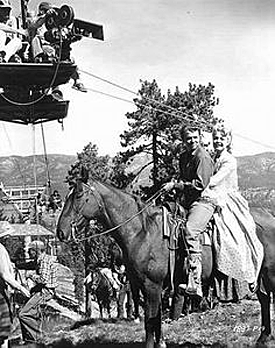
(149, 202)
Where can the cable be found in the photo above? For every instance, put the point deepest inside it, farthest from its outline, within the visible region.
(34, 158)
(149, 107)
(109, 82)
(110, 95)
(14, 158)
(157, 102)
(254, 141)
(132, 92)
(46, 160)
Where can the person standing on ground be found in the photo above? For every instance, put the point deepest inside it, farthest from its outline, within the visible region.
(45, 278)
(7, 278)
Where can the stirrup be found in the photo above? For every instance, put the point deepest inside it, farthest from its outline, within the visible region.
(194, 292)
(182, 289)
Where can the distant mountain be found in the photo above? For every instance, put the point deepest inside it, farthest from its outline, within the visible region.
(257, 178)
(256, 173)
(19, 171)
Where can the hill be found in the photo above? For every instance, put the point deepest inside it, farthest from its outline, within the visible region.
(19, 171)
(257, 178)
(256, 173)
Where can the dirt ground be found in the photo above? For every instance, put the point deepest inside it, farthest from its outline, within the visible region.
(226, 326)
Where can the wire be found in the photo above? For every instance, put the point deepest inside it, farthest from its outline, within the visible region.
(149, 107)
(46, 159)
(109, 82)
(178, 112)
(34, 156)
(14, 158)
(254, 141)
(110, 95)
(132, 92)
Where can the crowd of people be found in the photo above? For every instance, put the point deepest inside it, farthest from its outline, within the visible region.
(45, 206)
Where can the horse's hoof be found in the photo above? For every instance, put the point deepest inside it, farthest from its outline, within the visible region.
(263, 339)
(161, 344)
(137, 321)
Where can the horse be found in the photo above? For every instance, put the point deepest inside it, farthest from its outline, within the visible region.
(100, 286)
(137, 229)
(265, 223)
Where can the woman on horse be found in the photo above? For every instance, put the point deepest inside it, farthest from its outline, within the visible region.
(239, 253)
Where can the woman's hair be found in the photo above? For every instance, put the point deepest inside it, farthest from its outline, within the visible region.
(221, 127)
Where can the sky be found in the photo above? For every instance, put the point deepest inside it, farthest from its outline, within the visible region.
(230, 43)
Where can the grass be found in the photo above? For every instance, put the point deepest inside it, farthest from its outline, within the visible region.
(228, 325)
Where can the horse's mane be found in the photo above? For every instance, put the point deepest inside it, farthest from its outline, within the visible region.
(112, 188)
(146, 218)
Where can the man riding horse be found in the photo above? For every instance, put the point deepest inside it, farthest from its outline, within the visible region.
(196, 168)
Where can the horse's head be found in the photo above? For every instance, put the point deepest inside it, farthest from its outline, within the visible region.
(82, 203)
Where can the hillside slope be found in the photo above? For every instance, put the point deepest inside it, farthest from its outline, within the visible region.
(256, 173)
(19, 171)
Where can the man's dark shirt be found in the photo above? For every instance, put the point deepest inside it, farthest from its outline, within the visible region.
(197, 168)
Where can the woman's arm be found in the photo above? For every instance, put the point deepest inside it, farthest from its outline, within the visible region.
(225, 168)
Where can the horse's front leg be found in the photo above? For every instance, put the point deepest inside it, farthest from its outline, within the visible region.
(153, 316)
(153, 331)
(265, 316)
(160, 343)
(149, 331)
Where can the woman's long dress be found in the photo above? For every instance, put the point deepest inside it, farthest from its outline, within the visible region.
(238, 251)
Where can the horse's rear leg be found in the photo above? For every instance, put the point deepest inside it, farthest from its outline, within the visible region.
(265, 316)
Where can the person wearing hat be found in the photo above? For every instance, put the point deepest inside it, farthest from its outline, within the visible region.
(7, 278)
(46, 281)
(9, 44)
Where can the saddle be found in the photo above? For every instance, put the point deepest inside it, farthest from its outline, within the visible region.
(174, 219)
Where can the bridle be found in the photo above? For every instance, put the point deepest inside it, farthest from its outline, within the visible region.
(96, 195)
(78, 209)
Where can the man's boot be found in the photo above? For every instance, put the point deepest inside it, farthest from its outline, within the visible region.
(194, 286)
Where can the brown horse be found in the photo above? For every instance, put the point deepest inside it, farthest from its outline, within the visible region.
(265, 223)
(138, 231)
